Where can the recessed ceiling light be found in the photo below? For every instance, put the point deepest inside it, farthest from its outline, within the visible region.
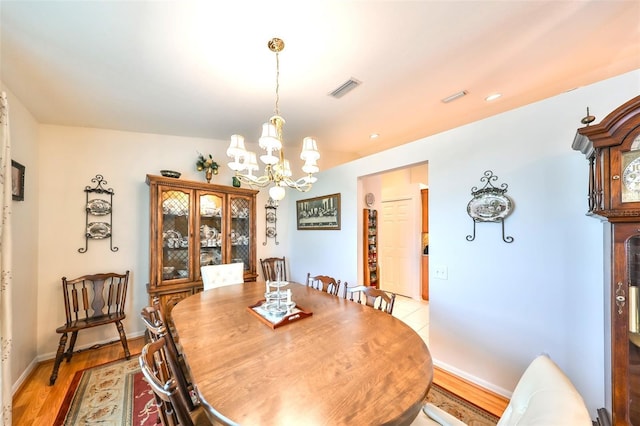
(374, 135)
(493, 97)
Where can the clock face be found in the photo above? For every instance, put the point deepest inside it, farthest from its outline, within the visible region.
(631, 176)
(369, 199)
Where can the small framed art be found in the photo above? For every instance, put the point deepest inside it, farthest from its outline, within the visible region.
(320, 213)
(17, 181)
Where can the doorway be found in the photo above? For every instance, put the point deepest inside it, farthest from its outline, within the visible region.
(397, 252)
(397, 198)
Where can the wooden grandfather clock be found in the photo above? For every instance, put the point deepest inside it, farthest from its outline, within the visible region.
(612, 148)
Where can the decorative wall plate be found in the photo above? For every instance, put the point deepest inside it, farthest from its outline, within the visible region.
(489, 204)
(99, 207)
(98, 230)
(489, 207)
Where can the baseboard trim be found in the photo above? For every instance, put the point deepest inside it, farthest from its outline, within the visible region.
(482, 384)
(52, 355)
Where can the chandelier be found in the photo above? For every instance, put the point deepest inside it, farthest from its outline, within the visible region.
(277, 170)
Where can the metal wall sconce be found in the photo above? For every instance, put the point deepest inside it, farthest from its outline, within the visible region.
(271, 218)
(98, 210)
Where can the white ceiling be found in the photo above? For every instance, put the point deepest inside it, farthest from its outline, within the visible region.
(202, 68)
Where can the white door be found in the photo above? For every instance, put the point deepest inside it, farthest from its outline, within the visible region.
(397, 249)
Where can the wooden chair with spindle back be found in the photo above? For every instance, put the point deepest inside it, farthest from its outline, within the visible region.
(274, 268)
(91, 301)
(324, 283)
(371, 296)
(153, 319)
(158, 369)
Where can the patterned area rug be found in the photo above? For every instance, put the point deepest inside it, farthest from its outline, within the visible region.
(113, 394)
(460, 408)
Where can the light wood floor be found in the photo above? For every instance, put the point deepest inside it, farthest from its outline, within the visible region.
(37, 403)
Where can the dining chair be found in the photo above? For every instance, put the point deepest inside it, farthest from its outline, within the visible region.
(371, 296)
(274, 268)
(221, 275)
(324, 283)
(544, 395)
(156, 328)
(158, 369)
(91, 301)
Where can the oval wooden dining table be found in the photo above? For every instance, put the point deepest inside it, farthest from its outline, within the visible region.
(345, 364)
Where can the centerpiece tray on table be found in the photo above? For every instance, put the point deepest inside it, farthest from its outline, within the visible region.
(277, 309)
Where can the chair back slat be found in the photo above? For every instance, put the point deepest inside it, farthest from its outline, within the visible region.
(111, 298)
(98, 303)
(74, 307)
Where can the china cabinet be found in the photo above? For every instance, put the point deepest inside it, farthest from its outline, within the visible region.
(193, 224)
(612, 148)
(370, 248)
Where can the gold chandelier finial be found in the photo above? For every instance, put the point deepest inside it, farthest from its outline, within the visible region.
(276, 45)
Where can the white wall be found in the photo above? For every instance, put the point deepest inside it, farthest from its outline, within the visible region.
(502, 304)
(23, 131)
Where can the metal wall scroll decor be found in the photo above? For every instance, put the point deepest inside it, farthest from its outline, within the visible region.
(489, 204)
(271, 218)
(98, 213)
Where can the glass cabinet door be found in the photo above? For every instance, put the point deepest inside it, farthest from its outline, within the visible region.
(175, 229)
(241, 238)
(212, 230)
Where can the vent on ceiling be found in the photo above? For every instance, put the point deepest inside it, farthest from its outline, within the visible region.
(455, 96)
(345, 88)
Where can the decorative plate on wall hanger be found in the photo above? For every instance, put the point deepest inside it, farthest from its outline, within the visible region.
(489, 204)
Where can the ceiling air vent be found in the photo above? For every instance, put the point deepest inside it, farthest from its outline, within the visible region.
(345, 88)
(455, 96)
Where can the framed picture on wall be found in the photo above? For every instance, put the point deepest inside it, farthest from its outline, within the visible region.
(17, 181)
(319, 213)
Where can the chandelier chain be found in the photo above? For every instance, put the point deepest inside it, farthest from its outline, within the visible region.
(277, 110)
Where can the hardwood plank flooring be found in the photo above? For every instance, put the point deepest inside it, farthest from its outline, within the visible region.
(37, 403)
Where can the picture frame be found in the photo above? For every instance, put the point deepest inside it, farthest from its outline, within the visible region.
(17, 181)
(319, 213)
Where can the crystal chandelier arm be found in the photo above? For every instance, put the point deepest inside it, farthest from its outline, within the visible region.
(303, 184)
(261, 181)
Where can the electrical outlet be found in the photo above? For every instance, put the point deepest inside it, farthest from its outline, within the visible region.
(440, 272)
